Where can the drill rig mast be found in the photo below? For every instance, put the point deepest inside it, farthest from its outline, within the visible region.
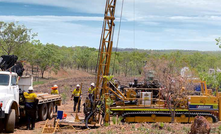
(106, 45)
(104, 58)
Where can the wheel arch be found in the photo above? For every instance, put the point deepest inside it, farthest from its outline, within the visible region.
(12, 105)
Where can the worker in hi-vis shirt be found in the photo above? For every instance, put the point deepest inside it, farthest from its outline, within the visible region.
(30, 107)
(76, 94)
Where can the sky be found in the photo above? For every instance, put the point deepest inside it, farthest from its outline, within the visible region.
(146, 24)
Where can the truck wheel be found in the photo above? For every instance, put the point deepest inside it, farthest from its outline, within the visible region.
(10, 122)
(50, 110)
(1, 125)
(36, 114)
(43, 112)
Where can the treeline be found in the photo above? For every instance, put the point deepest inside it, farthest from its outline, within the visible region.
(19, 40)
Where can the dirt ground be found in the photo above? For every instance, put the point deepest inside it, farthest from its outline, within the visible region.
(67, 83)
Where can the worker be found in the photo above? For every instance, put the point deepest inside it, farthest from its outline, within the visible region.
(77, 97)
(90, 93)
(91, 90)
(30, 107)
(55, 91)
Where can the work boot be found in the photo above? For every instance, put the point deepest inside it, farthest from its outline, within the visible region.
(28, 128)
(33, 126)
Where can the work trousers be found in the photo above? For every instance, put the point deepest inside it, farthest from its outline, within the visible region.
(76, 102)
(31, 116)
(91, 99)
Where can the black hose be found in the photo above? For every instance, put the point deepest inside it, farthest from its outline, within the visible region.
(88, 117)
(92, 113)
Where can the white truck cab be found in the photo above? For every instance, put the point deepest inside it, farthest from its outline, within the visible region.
(12, 103)
(9, 99)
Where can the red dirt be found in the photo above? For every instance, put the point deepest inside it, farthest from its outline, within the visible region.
(70, 79)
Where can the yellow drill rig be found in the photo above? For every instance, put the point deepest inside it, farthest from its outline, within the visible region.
(140, 103)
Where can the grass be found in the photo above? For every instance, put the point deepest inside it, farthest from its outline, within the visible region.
(114, 120)
(109, 132)
(186, 130)
(38, 83)
(213, 130)
(98, 132)
(219, 130)
(153, 125)
(169, 128)
(64, 95)
(106, 124)
(133, 127)
(119, 120)
(161, 125)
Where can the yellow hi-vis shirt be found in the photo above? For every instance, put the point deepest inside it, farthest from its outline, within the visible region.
(54, 92)
(76, 93)
(30, 97)
(91, 91)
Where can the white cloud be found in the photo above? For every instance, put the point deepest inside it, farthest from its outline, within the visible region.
(89, 6)
(146, 11)
(143, 7)
(50, 18)
(161, 23)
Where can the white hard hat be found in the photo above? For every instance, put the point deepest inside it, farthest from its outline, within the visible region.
(55, 86)
(31, 88)
(78, 85)
(92, 84)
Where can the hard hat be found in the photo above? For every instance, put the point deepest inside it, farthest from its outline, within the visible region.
(31, 88)
(78, 85)
(55, 87)
(92, 84)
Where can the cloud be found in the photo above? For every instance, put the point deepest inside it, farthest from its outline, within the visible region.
(148, 12)
(160, 24)
(89, 6)
(50, 18)
(143, 7)
(163, 32)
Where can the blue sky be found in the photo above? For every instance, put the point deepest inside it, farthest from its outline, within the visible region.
(159, 24)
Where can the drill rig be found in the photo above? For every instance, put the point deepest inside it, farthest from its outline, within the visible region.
(143, 102)
(140, 102)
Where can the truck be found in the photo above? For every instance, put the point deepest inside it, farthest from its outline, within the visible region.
(12, 102)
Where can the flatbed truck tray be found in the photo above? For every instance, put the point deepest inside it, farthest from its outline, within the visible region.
(46, 98)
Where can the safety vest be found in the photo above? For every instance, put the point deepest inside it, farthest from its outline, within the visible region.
(76, 93)
(54, 92)
(30, 97)
(90, 91)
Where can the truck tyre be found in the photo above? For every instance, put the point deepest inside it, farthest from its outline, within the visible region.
(10, 122)
(36, 117)
(43, 112)
(1, 125)
(50, 110)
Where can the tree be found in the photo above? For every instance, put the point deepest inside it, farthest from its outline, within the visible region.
(83, 56)
(124, 62)
(47, 57)
(218, 41)
(67, 54)
(13, 36)
(167, 72)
